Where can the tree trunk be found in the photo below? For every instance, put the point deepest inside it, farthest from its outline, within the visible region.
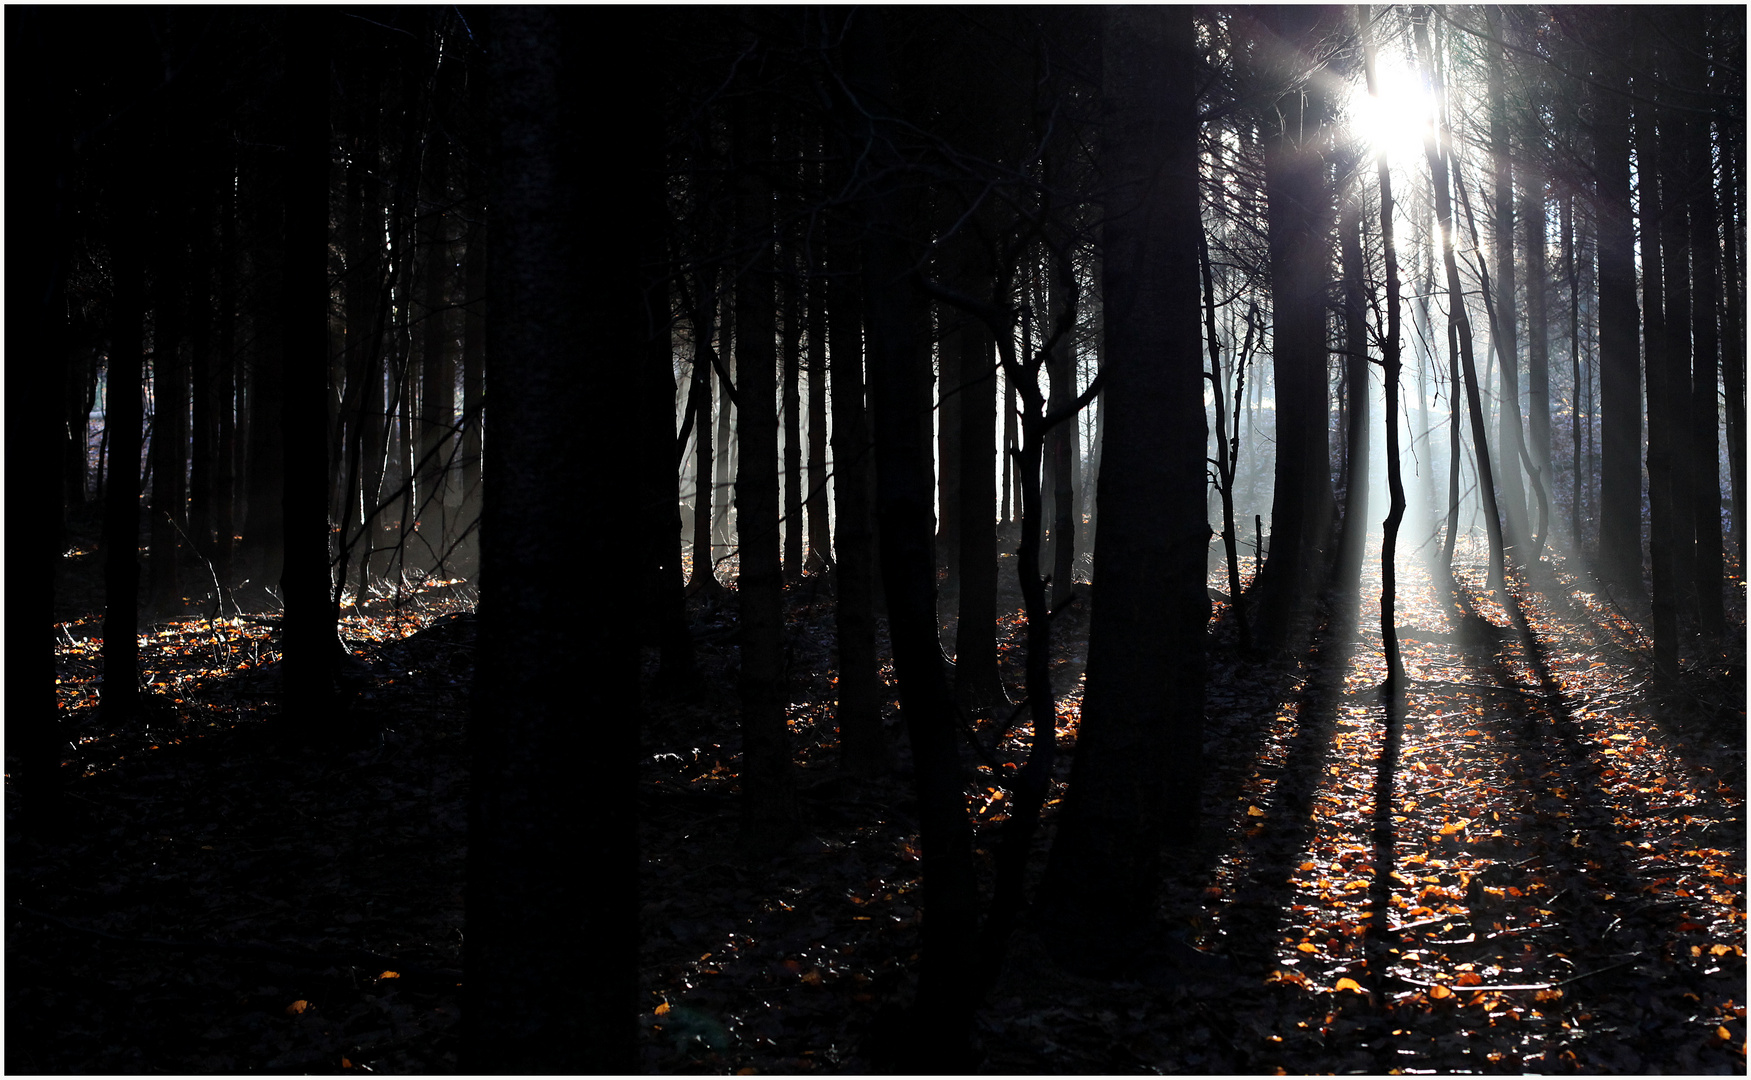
(1009, 444)
(820, 530)
(1062, 441)
(1390, 355)
(1733, 328)
(38, 200)
(900, 378)
(311, 650)
(949, 380)
(1355, 528)
(1656, 346)
(1226, 448)
(474, 259)
(1705, 473)
(1298, 220)
(551, 951)
(203, 445)
(863, 745)
(263, 530)
(1138, 769)
(1675, 179)
(123, 415)
(705, 303)
(437, 412)
(659, 516)
(1620, 393)
(1510, 490)
(768, 786)
(1532, 219)
(169, 400)
(1460, 336)
(225, 390)
(790, 284)
(977, 685)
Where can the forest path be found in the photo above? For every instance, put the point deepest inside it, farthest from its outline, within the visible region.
(1555, 879)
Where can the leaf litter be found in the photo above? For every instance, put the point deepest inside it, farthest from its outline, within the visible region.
(1561, 887)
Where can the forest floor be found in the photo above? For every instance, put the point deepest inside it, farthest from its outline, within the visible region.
(1556, 881)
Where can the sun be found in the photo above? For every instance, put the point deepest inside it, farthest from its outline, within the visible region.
(1398, 119)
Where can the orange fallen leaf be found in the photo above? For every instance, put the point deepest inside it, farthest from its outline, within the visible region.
(662, 1009)
(297, 1007)
(1470, 978)
(1347, 983)
(1253, 811)
(1438, 992)
(390, 975)
(1308, 947)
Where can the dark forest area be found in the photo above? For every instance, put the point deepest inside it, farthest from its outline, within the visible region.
(777, 539)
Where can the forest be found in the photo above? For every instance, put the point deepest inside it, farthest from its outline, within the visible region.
(747, 539)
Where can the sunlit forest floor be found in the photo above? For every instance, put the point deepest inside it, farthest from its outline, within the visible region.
(1555, 883)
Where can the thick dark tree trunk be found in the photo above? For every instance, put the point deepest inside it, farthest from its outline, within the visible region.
(1675, 178)
(863, 745)
(1733, 328)
(1537, 332)
(1620, 391)
(1705, 472)
(1063, 442)
(1298, 222)
(977, 685)
(225, 385)
(474, 316)
(204, 428)
(37, 341)
(897, 316)
(768, 783)
(437, 412)
(309, 645)
(1656, 353)
(169, 400)
(704, 577)
(1137, 775)
(950, 354)
(551, 951)
(264, 524)
(1578, 418)
(123, 415)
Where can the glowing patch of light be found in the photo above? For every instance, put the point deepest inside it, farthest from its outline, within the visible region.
(1398, 119)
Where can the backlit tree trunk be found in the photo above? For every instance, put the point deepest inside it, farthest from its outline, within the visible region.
(1136, 780)
(552, 900)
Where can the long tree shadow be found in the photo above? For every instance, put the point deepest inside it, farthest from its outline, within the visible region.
(1282, 789)
(1581, 852)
